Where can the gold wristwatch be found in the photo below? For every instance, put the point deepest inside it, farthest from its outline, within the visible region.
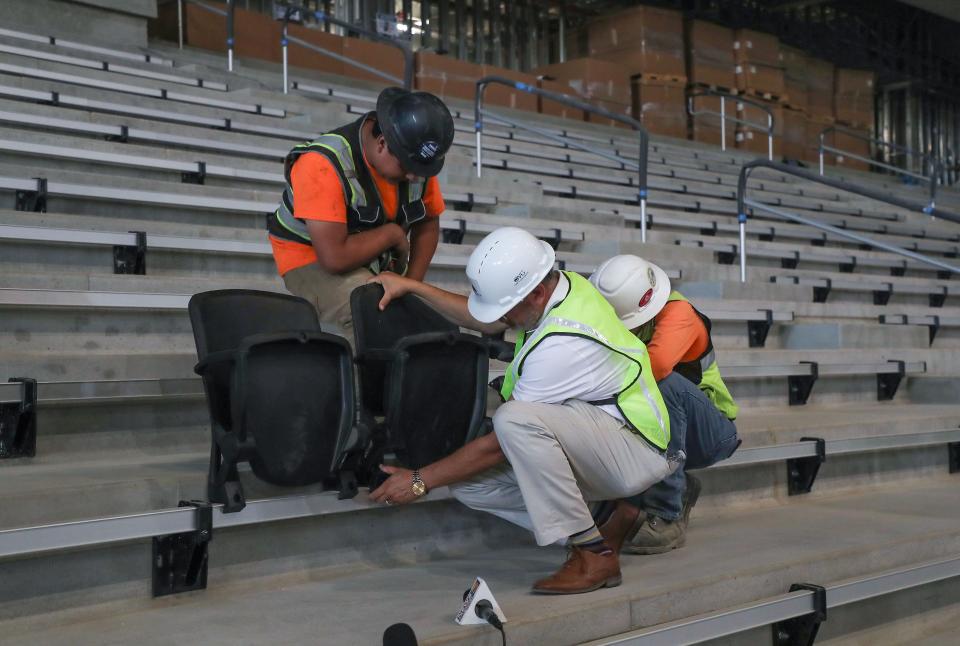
(419, 489)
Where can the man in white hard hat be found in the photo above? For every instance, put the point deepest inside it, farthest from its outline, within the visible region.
(677, 336)
(582, 421)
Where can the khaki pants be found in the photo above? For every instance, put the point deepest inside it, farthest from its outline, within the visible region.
(561, 457)
(328, 293)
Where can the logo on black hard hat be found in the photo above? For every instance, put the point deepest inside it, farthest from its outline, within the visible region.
(428, 150)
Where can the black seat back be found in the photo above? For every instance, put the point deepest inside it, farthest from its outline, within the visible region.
(376, 332)
(295, 397)
(436, 395)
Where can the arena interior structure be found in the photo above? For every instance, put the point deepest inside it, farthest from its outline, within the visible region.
(790, 163)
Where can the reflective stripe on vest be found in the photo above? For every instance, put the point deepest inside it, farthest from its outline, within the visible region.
(585, 313)
(356, 199)
(709, 381)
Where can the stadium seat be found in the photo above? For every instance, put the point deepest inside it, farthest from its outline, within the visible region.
(280, 391)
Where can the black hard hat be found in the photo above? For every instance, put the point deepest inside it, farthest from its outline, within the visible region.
(418, 128)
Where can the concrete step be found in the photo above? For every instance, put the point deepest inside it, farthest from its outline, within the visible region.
(868, 532)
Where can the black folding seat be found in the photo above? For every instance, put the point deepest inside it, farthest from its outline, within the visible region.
(421, 374)
(280, 392)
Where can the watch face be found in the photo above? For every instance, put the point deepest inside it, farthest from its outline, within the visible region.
(419, 488)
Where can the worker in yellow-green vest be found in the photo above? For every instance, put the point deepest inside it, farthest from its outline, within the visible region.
(583, 418)
(677, 336)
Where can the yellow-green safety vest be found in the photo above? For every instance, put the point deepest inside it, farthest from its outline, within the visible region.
(587, 314)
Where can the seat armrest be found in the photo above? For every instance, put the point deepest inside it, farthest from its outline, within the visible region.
(501, 350)
(214, 358)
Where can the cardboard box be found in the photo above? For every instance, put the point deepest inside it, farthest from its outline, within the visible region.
(712, 73)
(756, 47)
(795, 141)
(446, 77)
(501, 95)
(661, 107)
(853, 144)
(796, 94)
(819, 78)
(377, 55)
(767, 79)
(707, 41)
(647, 40)
(709, 133)
(592, 79)
(757, 143)
(794, 63)
(554, 108)
(757, 115)
(611, 106)
(853, 82)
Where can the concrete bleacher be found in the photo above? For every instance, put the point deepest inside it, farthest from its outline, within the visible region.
(142, 146)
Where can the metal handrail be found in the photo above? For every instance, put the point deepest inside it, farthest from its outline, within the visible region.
(742, 203)
(724, 118)
(228, 14)
(320, 16)
(641, 163)
(933, 167)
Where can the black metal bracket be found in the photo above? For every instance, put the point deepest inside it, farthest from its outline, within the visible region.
(801, 472)
(198, 176)
(848, 267)
(791, 262)
(710, 231)
(180, 560)
(34, 201)
(819, 242)
(882, 296)
(757, 330)
(122, 138)
(553, 240)
(131, 259)
(802, 631)
(766, 237)
(888, 382)
(934, 327)
(953, 456)
(726, 257)
(944, 275)
(820, 294)
(799, 386)
(899, 270)
(455, 236)
(18, 422)
(938, 299)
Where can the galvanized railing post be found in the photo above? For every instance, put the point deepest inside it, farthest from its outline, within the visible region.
(821, 153)
(742, 221)
(230, 41)
(723, 124)
(284, 45)
(180, 22)
(770, 137)
(478, 125)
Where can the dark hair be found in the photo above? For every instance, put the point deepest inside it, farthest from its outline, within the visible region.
(376, 129)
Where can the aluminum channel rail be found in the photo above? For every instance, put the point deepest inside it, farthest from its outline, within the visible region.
(58, 536)
(742, 203)
(786, 606)
(724, 96)
(479, 113)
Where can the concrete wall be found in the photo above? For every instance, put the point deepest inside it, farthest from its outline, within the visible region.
(97, 22)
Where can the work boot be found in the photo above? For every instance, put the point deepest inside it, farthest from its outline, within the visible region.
(622, 525)
(689, 499)
(657, 536)
(584, 571)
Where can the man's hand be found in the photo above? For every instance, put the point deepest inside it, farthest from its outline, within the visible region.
(401, 253)
(397, 489)
(394, 286)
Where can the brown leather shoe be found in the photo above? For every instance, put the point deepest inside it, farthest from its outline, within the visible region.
(584, 571)
(622, 525)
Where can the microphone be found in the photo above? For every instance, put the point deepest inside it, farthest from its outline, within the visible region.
(485, 611)
(399, 635)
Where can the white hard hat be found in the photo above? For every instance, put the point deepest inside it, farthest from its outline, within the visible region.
(503, 269)
(637, 289)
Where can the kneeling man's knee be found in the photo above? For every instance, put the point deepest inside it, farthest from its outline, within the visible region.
(515, 417)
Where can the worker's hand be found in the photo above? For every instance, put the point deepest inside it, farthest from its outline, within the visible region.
(401, 253)
(394, 286)
(397, 489)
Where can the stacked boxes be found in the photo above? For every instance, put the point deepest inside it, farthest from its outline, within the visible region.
(853, 97)
(447, 77)
(710, 59)
(661, 106)
(755, 138)
(601, 83)
(819, 75)
(646, 40)
(759, 69)
(553, 108)
(705, 128)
